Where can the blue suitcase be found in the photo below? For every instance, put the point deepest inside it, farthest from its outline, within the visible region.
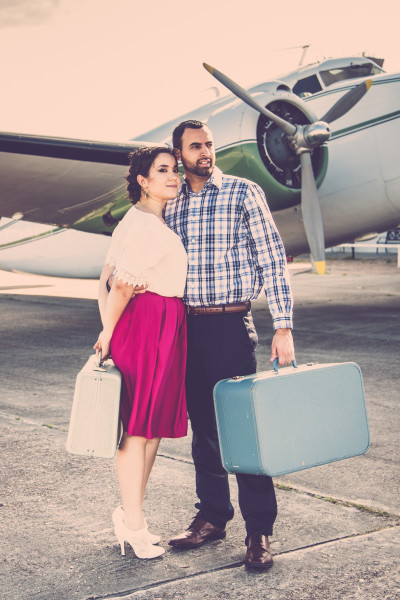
(277, 422)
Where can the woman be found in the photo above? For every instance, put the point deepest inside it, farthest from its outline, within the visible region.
(146, 335)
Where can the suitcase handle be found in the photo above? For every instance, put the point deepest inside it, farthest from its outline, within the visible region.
(99, 367)
(275, 364)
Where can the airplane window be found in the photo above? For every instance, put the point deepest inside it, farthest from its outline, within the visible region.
(307, 86)
(349, 72)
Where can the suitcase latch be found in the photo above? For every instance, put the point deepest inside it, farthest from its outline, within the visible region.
(237, 377)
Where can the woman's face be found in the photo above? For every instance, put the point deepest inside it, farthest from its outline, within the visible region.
(163, 180)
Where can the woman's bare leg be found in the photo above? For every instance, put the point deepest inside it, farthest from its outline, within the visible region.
(130, 462)
(150, 455)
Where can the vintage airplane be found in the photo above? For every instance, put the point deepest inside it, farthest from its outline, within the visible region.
(269, 133)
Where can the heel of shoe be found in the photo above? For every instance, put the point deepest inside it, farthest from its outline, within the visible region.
(122, 544)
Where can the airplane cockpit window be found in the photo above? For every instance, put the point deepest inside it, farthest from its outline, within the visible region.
(349, 72)
(307, 86)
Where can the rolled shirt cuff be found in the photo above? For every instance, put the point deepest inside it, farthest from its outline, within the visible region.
(283, 322)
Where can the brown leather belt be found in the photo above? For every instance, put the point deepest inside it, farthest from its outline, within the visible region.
(219, 309)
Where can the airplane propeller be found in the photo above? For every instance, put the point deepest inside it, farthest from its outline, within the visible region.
(302, 139)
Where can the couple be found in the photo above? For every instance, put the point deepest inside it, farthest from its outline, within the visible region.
(193, 256)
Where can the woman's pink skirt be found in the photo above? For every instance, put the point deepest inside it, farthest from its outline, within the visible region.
(149, 348)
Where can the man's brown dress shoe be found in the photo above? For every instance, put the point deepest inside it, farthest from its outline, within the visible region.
(198, 532)
(258, 555)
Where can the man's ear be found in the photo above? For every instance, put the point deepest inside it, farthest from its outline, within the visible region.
(177, 153)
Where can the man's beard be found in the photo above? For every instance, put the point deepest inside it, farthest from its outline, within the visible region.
(197, 170)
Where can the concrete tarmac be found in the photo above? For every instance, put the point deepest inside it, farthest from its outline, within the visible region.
(337, 532)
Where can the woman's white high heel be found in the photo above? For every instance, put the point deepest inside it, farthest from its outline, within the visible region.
(138, 538)
(153, 538)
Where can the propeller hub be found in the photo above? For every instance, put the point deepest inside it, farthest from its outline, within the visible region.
(308, 137)
(317, 133)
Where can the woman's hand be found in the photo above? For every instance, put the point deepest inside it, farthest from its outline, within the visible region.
(103, 345)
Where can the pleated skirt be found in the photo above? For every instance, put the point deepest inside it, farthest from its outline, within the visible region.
(149, 348)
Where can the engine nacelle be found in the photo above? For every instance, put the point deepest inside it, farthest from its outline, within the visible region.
(250, 145)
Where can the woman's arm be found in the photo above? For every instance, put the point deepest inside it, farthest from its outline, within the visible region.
(107, 276)
(103, 292)
(118, 298)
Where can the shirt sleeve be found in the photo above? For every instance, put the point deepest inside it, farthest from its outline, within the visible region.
(269, 255)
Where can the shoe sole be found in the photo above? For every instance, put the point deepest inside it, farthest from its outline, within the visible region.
(189, 546)
(258, 567)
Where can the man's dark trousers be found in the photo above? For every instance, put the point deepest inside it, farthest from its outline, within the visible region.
(222, 346)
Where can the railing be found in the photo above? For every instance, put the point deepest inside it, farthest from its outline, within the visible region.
(377, 247)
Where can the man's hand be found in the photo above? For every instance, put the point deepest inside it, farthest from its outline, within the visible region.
(282, 347)
(138, 289)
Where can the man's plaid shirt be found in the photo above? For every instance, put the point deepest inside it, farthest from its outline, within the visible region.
(233, 246)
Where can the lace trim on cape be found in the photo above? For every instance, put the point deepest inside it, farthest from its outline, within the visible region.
(130, 279)
(110, 260)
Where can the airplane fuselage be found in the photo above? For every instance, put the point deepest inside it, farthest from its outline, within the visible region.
(81, 186)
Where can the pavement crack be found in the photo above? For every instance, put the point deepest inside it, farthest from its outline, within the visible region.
(338, 539)
(281, 486)
(291, 488)
(340, 502)
(235, 565)
(158, 584)
(186, 461)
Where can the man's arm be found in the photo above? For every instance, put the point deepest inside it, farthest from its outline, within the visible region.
(269, 253)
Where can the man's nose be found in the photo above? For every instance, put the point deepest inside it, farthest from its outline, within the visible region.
(205, 151)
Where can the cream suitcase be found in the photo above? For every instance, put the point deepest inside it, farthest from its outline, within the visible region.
(94, 428)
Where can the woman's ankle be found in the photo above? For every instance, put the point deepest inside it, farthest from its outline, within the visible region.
(134, 522)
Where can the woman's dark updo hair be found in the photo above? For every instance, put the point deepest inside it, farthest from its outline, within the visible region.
(140, 162)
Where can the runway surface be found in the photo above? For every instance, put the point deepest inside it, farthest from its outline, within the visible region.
(337, 533)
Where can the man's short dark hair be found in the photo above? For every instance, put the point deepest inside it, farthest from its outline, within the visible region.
(179, 130)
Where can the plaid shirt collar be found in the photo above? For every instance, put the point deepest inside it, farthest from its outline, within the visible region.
(214, 181)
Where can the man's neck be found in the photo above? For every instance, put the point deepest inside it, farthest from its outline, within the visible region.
(196, 183)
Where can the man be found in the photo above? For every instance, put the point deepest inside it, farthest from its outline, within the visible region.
(233, 250)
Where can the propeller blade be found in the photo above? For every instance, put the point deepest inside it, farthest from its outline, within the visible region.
(241, 93)
(312, 217)
(346, 102)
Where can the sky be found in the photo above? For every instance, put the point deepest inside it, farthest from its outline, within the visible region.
(113, 69)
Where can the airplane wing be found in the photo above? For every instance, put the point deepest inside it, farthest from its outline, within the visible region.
(62, 181)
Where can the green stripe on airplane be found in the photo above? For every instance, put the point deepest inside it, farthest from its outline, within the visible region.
(241, 159)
